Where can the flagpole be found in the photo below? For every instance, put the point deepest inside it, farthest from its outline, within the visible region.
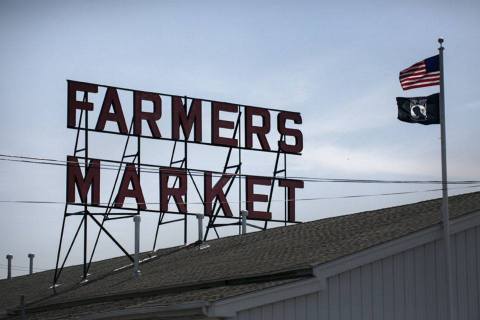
(445, 215)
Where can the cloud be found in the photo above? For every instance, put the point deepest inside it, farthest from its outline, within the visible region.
(389, 162)
(473, 104)
(366, 162)
(373, 109)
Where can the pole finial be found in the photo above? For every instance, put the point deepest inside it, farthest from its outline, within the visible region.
(440, 40)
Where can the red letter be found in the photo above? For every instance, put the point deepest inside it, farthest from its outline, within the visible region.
(291, 185)
(130, 176)
(217, 124)
(216, 192)
(297, 134)
(75, 178)
(73, 104)
(177, 193)
(260, 131)
(151, 117)
(111, 99)
(255, 197)
(180, 118)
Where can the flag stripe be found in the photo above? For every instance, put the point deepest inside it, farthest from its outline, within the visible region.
(413, 73)
(420, 77)
(433, 81)
(407, 71)
(415, 76)
(419, 73)
(419, 85)
(422, 80)
(424, 77)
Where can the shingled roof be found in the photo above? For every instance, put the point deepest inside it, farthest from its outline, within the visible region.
(228, 267)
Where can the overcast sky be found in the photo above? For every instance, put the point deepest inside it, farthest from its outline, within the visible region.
(337, 64)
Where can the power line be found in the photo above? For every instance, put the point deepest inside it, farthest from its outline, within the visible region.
(147, 169)
(273, 200)
(48, 161)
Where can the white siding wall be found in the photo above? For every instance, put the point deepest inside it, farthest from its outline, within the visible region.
(409, 285)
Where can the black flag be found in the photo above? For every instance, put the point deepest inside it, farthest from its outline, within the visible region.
(423, 110)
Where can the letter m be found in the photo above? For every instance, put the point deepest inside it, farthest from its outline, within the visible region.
(83, 184)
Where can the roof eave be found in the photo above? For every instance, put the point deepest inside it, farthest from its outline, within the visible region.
(196, 308)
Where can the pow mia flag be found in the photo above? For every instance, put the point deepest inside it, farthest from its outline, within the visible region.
(423, 110)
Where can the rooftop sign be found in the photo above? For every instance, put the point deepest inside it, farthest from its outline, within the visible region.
(186, 118)
(94, 110)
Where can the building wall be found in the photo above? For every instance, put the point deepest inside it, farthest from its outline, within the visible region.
(409, 285)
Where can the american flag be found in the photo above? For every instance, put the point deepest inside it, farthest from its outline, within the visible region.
(422, 74)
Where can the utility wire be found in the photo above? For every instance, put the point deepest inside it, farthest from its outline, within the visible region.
(368, 195)
(35, 160)
(148, 169)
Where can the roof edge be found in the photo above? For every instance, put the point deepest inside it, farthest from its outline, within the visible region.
(288, 274)
(193, 308)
